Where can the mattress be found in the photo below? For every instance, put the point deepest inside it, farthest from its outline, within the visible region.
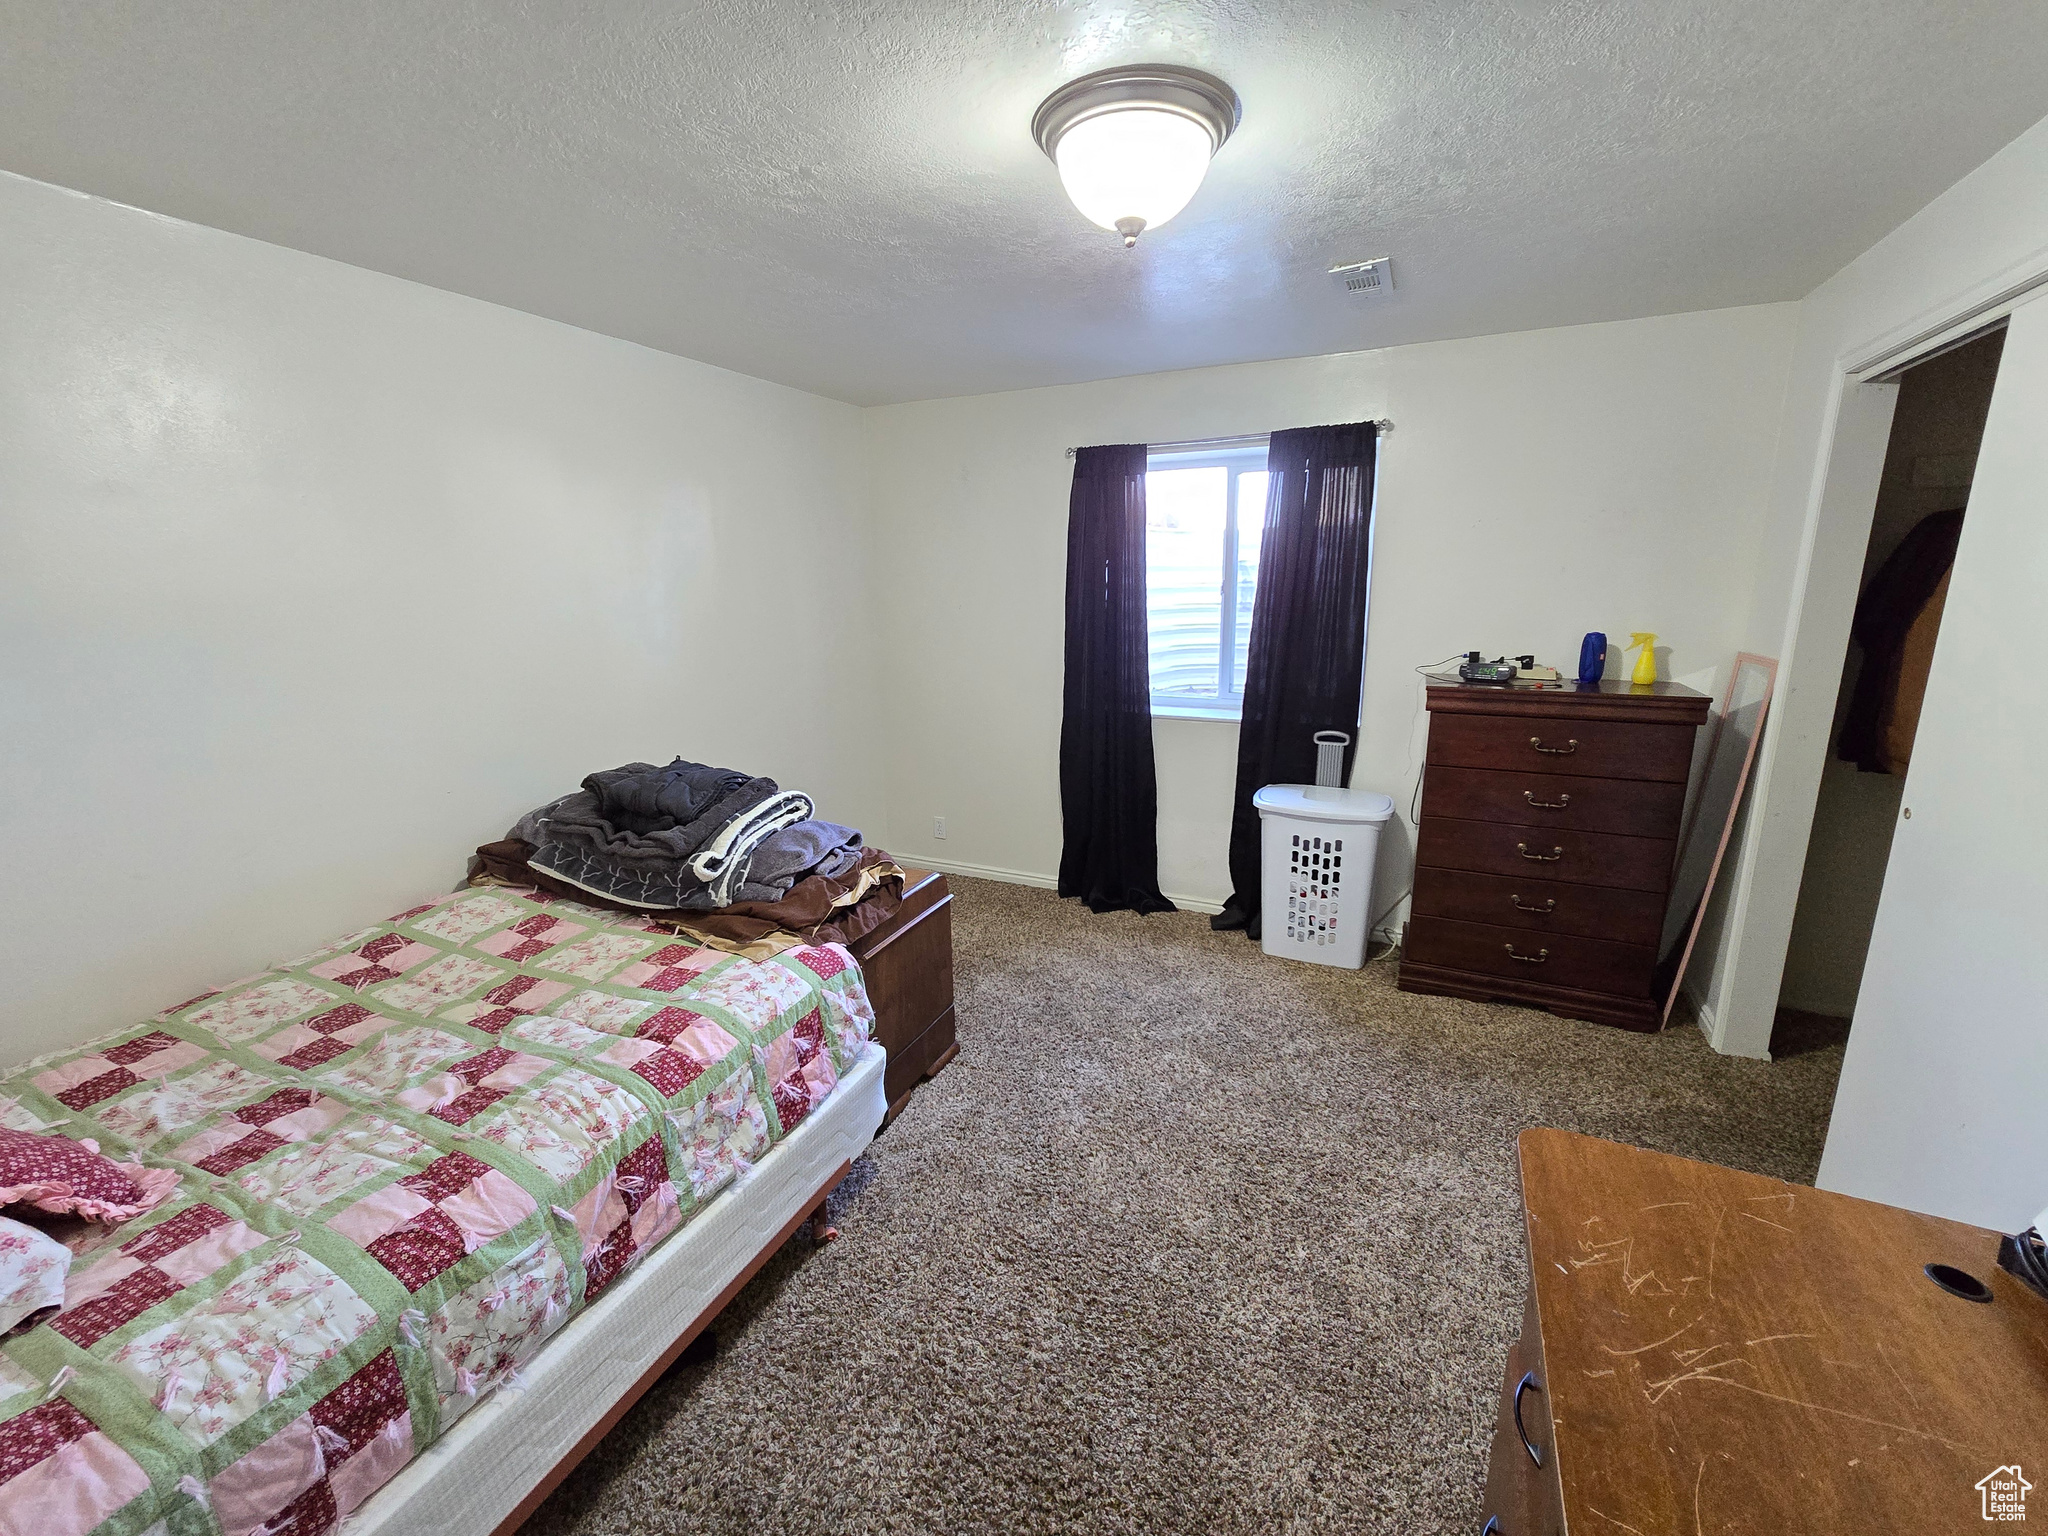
(406, 1160)
(476, 1475)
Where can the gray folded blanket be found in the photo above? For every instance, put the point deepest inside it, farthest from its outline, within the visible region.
(643, 798)
(659, 887)
(799, 850)
(580, 818)
(686, 837)
(694, 867)
(528, 827)
(722, 863)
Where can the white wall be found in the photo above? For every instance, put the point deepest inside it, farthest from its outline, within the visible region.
(1970, 243)
(1535, 486)
(312, 578)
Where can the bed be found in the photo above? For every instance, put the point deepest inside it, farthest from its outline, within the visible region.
(407, 1161)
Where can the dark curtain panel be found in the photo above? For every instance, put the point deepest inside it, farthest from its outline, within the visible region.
(1109, 799)
(1308, 629)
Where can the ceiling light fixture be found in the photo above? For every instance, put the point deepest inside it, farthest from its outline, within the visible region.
(1133, 144)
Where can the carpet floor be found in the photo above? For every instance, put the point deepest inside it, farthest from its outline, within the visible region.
(1186, 1239)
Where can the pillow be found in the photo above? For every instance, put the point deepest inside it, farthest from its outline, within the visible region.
(32, 1269)
(54, 1173)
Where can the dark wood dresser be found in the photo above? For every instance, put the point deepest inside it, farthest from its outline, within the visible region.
(1711, 1351)
(1549, 827)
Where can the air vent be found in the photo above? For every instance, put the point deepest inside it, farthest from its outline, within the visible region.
(1365, 279)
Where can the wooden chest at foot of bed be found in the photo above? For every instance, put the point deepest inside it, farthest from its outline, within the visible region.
(908, 966)
(1550, 818)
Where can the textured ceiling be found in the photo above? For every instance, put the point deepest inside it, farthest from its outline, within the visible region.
(847, 198)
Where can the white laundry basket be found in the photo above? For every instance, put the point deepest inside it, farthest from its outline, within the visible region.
(1317, 849)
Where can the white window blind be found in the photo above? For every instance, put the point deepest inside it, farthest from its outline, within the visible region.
(1204, 511)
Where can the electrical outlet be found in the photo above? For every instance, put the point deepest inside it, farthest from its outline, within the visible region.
(938, 826)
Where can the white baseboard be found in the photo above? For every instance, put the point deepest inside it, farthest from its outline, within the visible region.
(1041, 882)
(979, 871)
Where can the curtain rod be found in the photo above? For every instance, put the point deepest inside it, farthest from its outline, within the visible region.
(1242, 440)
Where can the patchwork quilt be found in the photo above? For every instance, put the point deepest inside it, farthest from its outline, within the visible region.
(406, 1160)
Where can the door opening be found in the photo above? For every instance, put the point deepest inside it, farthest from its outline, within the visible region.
(1922, 499)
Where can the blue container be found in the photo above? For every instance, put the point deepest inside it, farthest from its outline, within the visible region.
(1593, 658)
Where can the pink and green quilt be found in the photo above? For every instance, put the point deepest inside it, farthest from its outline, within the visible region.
(406, 1160)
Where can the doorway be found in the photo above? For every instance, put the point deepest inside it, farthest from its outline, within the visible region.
(1930, 460)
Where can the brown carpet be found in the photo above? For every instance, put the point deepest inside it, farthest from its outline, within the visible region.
(1186, 1239)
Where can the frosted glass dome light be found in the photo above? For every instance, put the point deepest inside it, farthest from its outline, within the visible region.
(1132, 145)
(1139, 164)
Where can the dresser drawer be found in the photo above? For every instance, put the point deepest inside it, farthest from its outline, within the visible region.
(1522, 1492)
(1600, 749)
(1555, 960)
(1635, 807)
(1551, 853)
(1540, 906)
(1509, 1494)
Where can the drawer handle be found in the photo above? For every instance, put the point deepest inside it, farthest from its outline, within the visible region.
(1570, 746)
(1528, 1380)
(1539, 858)
(1538, 958)
(1549, 805)
(1520, 905)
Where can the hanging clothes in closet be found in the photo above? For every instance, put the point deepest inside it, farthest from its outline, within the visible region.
(1897, 618)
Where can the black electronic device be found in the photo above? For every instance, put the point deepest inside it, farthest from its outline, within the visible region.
(2024, 1256)
(1473, 670)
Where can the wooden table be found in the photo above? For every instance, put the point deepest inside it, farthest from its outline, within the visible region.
(1706, 1351)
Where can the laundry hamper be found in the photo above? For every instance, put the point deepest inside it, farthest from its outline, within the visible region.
(1317, 847)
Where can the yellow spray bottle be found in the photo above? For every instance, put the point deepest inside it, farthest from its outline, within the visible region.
(1646, 662)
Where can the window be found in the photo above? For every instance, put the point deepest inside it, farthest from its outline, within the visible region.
(1203, 515)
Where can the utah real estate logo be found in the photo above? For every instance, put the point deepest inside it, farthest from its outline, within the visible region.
(2005, 1494)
